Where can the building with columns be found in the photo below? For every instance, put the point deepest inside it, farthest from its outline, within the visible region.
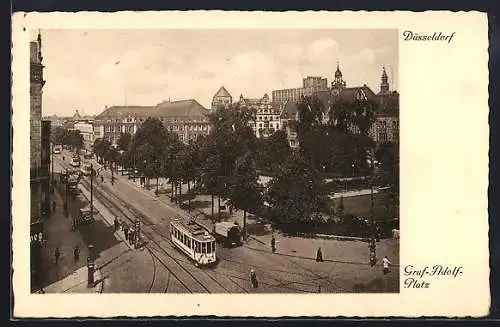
(186, 118)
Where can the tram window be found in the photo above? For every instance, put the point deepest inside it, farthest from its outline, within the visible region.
(213, 246)
(197, 246)
(204, 247)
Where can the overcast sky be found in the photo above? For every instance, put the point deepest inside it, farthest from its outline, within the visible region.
(87, 70)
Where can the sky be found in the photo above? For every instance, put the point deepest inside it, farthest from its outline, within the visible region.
(88, 70)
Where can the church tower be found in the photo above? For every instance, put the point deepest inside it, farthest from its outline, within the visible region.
(384, 86)
(338, 83)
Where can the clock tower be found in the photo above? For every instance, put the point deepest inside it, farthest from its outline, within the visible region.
(338, 83)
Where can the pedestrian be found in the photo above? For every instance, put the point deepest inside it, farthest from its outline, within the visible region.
(373, 258)
(131, 236)
(385, 264)
(54, 205)
(116, 223)
(253, 278)
(76, 253)
(273, 244)
(319, 255)
(57, 254)
(125, 231)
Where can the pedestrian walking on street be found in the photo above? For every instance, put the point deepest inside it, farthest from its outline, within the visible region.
(54, 205)
(385, 264)
(102, 179)
(273, 244)
(131, 236)
(76, 253)
(125, 231)
(373, 258)
(319, 255)
(253, 278)
(117, 224)
(57, 254)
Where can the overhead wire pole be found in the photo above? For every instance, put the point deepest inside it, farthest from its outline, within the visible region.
(91, 191)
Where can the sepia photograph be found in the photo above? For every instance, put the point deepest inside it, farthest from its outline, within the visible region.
(171, 161)
(250, 164)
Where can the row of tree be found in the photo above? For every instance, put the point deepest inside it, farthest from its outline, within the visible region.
(71, 138)
(225, 162)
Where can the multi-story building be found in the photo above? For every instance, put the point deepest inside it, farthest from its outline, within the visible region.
(385, 105)
(386, 127)
(187, 118)
(39, 161)
(310, 85)
(221, 99)
(86, 128)
(267, 115)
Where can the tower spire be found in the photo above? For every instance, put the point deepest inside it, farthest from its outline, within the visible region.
(384, 86)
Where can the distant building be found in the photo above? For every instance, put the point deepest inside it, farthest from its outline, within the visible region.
(39, 161)
(310, 85)
(267, 115)
(186, 118)
(222, 99)
(385, 105)
(86, 128)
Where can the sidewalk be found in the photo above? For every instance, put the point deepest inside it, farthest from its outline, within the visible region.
(67, 273)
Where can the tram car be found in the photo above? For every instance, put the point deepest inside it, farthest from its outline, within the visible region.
(228, 233)
(194, 240)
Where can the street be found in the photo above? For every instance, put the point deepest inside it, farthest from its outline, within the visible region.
(159, 267)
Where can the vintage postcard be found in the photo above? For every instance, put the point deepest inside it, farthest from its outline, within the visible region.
(261, 164)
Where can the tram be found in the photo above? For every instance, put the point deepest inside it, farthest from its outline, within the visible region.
(194, 240)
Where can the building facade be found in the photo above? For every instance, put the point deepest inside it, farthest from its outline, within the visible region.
(221, 99)
(187, 118)
(39, 162)
(267, 115)
(385, 105)
(310, 85)
(86, 128)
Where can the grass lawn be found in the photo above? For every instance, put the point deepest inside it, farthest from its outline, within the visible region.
(361, 206)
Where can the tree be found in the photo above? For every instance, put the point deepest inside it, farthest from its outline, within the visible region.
(148, 146)
(58, 135)
(245, 192)
(273, 151)
(230, 137)
(296, 194)
(124, 141)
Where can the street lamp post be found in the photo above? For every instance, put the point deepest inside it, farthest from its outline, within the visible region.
(52, 163)
(66, 192)
(91, 191)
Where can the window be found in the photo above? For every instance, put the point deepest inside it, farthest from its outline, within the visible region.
(203, 247)
(382, 137)
(396, 136)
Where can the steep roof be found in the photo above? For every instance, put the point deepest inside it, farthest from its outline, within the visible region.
(222, 93)
(182, 108)
(352, 93)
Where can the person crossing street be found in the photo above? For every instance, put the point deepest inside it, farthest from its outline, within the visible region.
(253, 278)
(273, 244)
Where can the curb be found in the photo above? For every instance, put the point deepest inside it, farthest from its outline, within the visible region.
(314, 259)
(101, 208)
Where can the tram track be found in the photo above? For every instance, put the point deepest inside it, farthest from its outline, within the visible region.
(198, 281)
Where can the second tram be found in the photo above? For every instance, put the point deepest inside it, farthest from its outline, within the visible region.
(194, 241)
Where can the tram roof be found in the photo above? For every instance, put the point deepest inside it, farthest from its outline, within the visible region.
(194, 229)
